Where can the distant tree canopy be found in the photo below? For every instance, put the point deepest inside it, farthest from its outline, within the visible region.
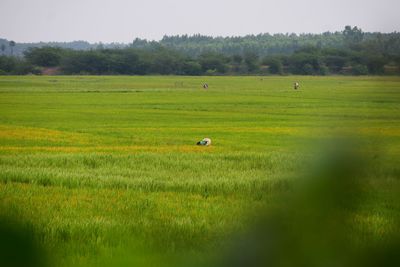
(351, 51)
(352, 36)
(16, 66)
(12, 44)
(129, 61)
(45, 57)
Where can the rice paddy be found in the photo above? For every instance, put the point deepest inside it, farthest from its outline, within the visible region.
(105, 169)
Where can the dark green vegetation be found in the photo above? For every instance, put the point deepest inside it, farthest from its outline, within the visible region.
(348, 52)
(102, 169)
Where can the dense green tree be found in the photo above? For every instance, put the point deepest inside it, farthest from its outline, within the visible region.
(262, 44)
(274, 64)
(15, 66)
(307, 69)
(125, 62)
(359, 70)
(12, 44)
(44, 56)
(353, 35)
(251, 61)
(89, 62)
(335, 62)
(191, 68)
(376, 64)
(214, 61)
(237, 61)
(396, 60)
(166, 62)
(306, 62)
(7, 64)
(346, 52)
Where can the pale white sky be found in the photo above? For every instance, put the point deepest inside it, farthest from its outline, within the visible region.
(124, 20)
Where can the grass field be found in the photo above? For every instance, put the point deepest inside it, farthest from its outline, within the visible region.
(106, 168)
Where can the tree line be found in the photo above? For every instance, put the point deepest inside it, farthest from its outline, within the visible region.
(348, 52)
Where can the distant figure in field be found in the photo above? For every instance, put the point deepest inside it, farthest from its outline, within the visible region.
(204, 142)
(296, 85)
(205, 86)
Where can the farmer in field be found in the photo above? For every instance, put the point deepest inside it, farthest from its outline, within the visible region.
(204, 142)
(296, 85)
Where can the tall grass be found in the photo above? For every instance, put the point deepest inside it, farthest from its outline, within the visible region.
(100, 168)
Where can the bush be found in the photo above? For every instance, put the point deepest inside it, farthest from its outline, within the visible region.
(323, 70)
(275, 65)
(307, 69)
(360, 70)
(7, 64)
(376, 65)
(213, 61)
(16, 66)
(211, 72)
(191, 68)
(44, 56)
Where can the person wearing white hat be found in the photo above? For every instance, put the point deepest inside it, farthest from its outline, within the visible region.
(204, 142)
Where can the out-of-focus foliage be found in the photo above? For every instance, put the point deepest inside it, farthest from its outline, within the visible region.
(18, 246)
(315, 224)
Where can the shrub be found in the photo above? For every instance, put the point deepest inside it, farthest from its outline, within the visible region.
(360, 70)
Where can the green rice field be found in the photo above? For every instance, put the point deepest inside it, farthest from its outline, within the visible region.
(105, 170)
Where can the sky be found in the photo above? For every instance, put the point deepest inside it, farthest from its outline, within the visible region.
(124, 20)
